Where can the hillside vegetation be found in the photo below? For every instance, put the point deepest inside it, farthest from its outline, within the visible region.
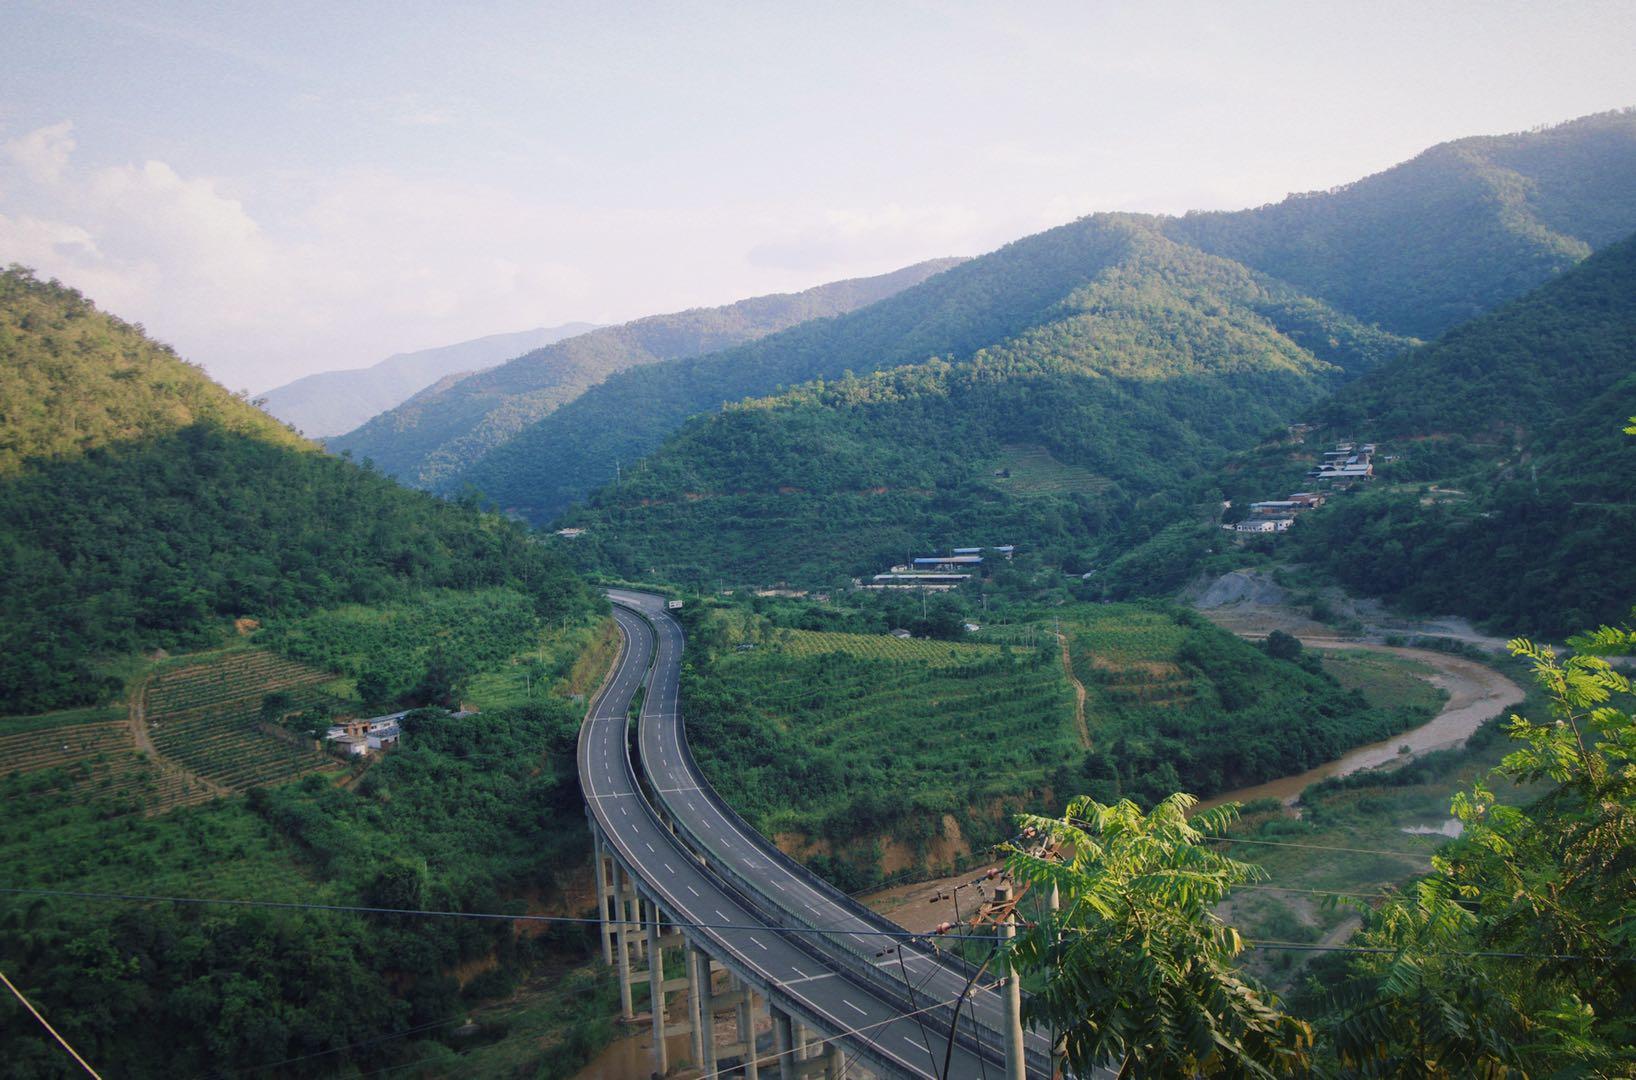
(74, 379)
(867, 755)
(176, 508)
(1021, 299)
(1140, 376)
(1414, 250)
(1516, 418)
(1439, 239)
(433, 437)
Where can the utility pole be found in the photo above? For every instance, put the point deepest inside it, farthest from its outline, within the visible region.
(1015, 1064)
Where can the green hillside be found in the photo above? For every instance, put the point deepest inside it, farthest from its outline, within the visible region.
(431, 438)
(1437, 240)
(1416, 249)
(1139, 377)
(73, 378)
(144, 507)
(1521, 413)
(1061, 294)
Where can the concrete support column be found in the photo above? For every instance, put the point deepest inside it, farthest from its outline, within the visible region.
(707, 1011)
(599, 859)
(623, 951)
(656, 991)
(696, 992)
(747, 1030)
(783, 1043)
(1015, 1063)
(633, 909)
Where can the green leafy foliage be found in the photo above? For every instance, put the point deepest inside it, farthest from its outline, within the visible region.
(1515, 955)
(391, 647)
(74, 378)
(433, 437)
(1138, 973)
(468, 813)
(842, 740)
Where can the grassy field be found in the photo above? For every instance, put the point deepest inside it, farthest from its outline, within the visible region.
(525, 676)
(1385, 678)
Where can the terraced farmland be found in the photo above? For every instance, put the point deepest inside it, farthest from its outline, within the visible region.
(92, 762)
(883, 647)
(1035, 472)
(205, 716)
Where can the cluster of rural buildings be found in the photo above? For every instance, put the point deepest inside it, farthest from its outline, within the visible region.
(1341, 468)
(937, 573)
(1347, 464)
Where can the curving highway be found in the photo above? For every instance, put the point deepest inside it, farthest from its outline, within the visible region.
(789, 969)
(851, 941)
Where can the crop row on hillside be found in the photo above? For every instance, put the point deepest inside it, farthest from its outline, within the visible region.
(206, 714)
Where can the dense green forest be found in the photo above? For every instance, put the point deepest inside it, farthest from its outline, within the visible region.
(1139, 378)
(1516, 418)
(1437, 240)
(177, 508)
(461, 817)
(435, 435)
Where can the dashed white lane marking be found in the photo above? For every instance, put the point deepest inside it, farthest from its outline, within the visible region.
(799, 972)
(758, 942)
(669, 868)
(721, 915)
(624, 811)
(853, 1007)
(692, 890)
(650, 847)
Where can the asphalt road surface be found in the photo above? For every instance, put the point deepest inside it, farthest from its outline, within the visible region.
(807, 901)
(691, 894)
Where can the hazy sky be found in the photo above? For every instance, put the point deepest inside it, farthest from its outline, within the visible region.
(283, 188)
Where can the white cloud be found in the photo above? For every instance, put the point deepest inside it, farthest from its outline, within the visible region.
(43, 154)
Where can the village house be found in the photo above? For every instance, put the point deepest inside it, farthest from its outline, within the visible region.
(356, 738)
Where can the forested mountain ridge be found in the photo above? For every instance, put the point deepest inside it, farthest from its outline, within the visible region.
(1138, 377)
(996, 298)
(334, 402)
(144, 507)
(73, 379)
(1441, 238)
(435, 435)
(1415, 249)
(1517, 418)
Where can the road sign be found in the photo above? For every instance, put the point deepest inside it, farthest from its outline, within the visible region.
(673, 605)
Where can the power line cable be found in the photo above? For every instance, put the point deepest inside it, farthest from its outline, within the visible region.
(46, 1024)
(361, 909)
(1319, 847)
